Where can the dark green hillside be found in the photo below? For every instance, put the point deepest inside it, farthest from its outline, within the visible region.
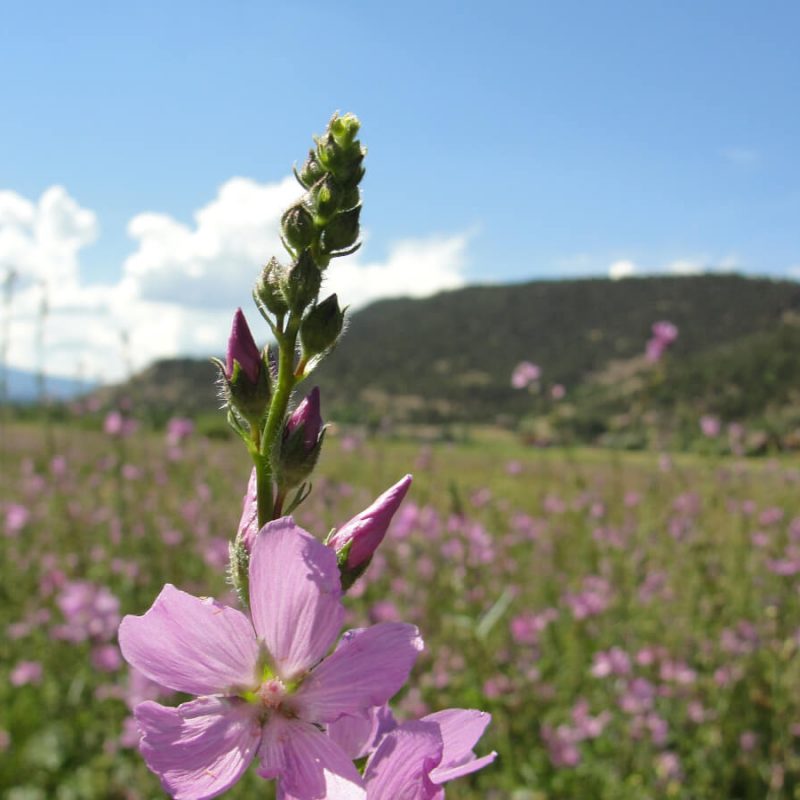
(451, 356)
(171, 386)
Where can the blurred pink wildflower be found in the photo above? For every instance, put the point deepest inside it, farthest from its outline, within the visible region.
(17, 517)
(710, 426)
(664, 335)
(117, 425)
(178, 430)
(26, 672)
(90, 611)
(524, 374)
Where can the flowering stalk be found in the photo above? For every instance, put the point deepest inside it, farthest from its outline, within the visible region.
(323, 224)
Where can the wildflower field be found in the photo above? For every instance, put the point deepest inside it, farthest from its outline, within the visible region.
(631, 622)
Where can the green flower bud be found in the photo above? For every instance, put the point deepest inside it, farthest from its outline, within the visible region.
(321, 327)
(298, 227)
(325, 195)
(344, 163)
(344, 129)
(342, 231)
(302, 282)
(350, 197)
(268, 288)
(311, 171)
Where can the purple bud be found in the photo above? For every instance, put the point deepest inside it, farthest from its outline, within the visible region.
(242, 348)
(301, 443)
(306, 416)
(366, 530)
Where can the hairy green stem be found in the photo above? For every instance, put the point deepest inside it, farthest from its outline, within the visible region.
(263, 489)
(277, 411)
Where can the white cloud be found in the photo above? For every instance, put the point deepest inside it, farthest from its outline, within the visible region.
(207, 265)
(622, 269)
(415, 268)
(41, 241)
(179, 288)
(686, 266)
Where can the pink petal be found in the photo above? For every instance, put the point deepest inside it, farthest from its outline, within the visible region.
(358, 735)
(295, 596)
(191, 645)
(199, 749)
(460, 729)
(443, 774)
(366, 669)
(398, 770)
(308, 764)
(248, 523)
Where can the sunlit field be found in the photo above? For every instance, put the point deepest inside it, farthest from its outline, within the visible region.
(631, 622)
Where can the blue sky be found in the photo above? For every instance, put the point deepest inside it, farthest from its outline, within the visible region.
(507, 141)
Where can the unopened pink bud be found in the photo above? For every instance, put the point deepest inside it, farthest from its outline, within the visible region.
(307, 416)
(242, 348)
(366, 530)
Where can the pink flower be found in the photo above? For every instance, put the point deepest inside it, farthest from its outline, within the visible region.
(359, 538)
(414, 760)
(263, 681)
(562, 745)
(710, 426)
(106, 658)
(665, 331)
(524, 374)
(594, 598)
(115, 424)
(26, 672)
(526, 627)
(17, 517)
(90, 611)
(612, 662)
(178, 429)
(664, 335)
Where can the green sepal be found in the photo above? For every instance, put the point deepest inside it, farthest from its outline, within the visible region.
(349, 575)
(321, 327)
(302, 283)
(342, 231)
(300, 496)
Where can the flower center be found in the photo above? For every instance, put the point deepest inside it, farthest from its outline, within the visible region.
(272, 692)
